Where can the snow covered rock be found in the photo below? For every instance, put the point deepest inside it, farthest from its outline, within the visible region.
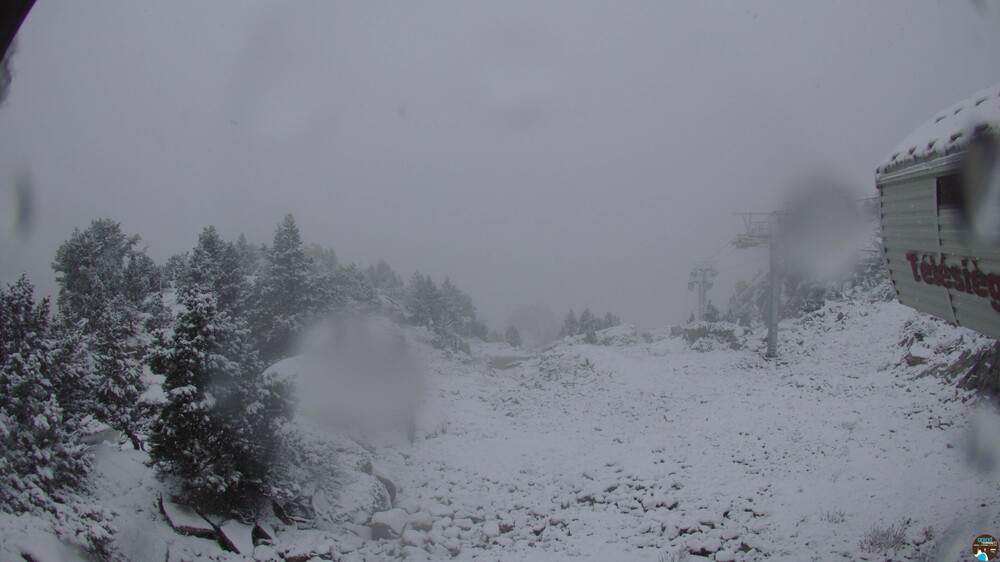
(725, 556)
(263, 532)
(491, 529)
(440, 510)
(237, 536)
(355, 498)
(350, 543)
(379, 471)
(186, 521)
(421, 520)
(264, 553)
(388, 524)
(919, 354)
(299, 511)
(412, 537)
(416, 554)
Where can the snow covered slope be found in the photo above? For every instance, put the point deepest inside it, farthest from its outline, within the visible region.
(633, 451)
(852, 446)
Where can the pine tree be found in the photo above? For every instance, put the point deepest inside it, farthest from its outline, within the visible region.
(98, 264)
(118, 350)
(610, 320)
(569, 326)
(354, 284)
(479, 329)
(324, 260)
(175, 269)
(341, 287)
(457, 310)
(711, 313)
(217, 433)
(588, 323)
(513, 337)
(423, 300)
(284, 299)
(109, 303)
(73, 375)
(382, 276)
(142, 277)
(250, 256)
(39, 457)
(215, 265)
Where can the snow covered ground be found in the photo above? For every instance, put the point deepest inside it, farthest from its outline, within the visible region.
(633, 452)
(645, 448)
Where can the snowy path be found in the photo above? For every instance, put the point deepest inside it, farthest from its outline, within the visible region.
(632, 451)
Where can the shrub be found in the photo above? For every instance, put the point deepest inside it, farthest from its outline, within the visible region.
(676, 556)
(880, 539)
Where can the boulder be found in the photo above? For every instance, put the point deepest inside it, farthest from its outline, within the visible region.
(350, 543)
(641, 541)
(355, 497)
(389, 524)
(265, 553)
(186, 520)
(263, 532)
(379, 471)
(239, 537)
(421, 520)
(440, 510)
(411, 505)
(279, 512)
(299, 511)
(491, 529)
(414, 553)
(412, 537)
(919, 354)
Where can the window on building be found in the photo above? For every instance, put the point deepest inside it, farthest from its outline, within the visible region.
(949, 192)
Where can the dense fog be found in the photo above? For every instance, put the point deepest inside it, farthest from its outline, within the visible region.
(561, 154)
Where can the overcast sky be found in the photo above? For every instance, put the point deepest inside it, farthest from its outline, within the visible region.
(567, 154)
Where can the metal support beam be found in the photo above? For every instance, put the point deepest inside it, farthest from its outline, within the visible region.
(701, 277)
(761, 229)
(774, 290)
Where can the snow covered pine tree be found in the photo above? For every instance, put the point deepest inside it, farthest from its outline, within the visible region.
(283, 299)
(118, 350)
(42, 464)
(216, 436)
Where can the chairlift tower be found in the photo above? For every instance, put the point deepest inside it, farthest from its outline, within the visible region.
(763, 229)
(701, 277)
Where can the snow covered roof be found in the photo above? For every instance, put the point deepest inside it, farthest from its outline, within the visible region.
(949, 131)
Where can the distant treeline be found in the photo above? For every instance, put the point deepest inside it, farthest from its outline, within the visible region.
(587, 324)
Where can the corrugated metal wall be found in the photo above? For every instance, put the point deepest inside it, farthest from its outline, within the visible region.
(972, 311)
(912, 223)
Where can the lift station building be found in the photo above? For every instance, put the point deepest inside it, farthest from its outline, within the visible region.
(936, 262)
